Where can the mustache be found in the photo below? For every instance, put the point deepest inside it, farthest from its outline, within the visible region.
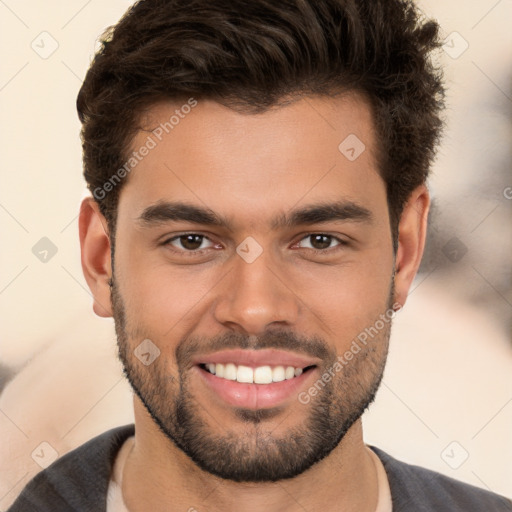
(313, 346)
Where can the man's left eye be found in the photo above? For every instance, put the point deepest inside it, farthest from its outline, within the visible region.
(319, 241)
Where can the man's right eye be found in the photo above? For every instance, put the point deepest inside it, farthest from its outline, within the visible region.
(189, 242)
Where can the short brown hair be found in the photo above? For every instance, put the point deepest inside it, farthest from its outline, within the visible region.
(250, 55)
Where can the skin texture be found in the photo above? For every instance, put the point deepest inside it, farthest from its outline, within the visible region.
(191, 447)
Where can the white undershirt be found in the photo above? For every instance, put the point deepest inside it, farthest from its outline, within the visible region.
(115, 502)
(384, 502)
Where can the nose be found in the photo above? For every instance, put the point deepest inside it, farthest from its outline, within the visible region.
(256, 296)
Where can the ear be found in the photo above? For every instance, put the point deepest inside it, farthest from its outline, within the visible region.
(95, 250)
(412, 231)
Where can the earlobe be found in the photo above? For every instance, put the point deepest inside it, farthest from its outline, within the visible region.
(96, 255)
(412, 231)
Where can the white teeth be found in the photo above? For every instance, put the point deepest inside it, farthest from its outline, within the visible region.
(289, 373)
(230, 371)
(219, 370)
(278, 374)
(259, 375)
(263, 375)
(245, 374)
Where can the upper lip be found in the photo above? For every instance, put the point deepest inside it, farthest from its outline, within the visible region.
(255, 358)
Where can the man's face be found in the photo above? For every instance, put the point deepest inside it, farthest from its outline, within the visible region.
(272, 284)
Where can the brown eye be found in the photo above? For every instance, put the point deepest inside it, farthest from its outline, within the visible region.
(189, 242)
(319, 241)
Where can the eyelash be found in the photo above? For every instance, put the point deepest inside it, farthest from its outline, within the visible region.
(341, 243)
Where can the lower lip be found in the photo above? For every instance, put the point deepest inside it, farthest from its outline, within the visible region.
(255, 396)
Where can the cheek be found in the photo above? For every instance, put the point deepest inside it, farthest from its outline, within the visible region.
(160, 299)
(349, 298)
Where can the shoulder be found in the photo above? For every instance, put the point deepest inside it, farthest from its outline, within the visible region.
(78, 481)
(417, 489)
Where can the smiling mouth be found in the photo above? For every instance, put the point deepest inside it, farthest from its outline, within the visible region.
(254, 375)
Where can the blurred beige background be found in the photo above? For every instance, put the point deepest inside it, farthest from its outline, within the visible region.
(446, 400)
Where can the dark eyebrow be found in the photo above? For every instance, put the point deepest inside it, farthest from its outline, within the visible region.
(314, 214)
(177, 211)
(326, 212)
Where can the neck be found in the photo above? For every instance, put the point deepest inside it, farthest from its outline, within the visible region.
(159, 476)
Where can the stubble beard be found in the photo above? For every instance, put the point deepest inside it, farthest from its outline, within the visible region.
(253, 452)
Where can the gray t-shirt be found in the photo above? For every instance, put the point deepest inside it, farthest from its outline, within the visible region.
(115, 500)
(79, 481)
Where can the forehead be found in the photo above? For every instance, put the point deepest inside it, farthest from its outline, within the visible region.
(246, 165)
